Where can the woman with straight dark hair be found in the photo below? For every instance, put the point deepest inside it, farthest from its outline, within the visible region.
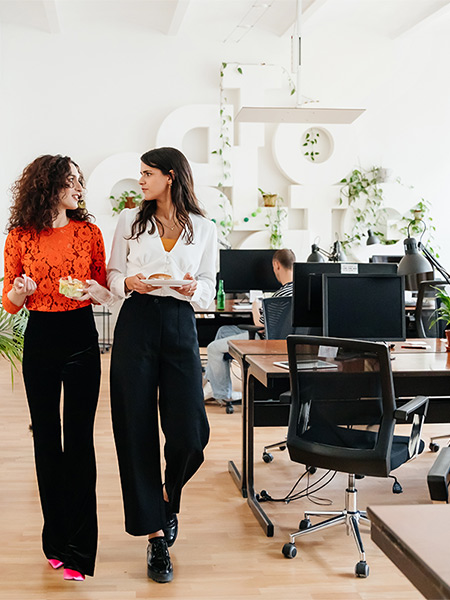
(51, 237)
(155, 361)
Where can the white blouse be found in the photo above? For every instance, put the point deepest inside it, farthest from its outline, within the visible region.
(147, 255)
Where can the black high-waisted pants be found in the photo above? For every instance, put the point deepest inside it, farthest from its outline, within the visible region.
(61, 351)
(155, 361)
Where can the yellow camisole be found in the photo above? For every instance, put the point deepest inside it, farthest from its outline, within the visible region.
(168, 244)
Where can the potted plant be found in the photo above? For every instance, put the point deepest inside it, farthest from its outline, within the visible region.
(418, 219)
(442, 313)
(125, 200)
(269, 199)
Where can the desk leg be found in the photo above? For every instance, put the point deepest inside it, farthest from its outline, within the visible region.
(260, 515)
(240, 478)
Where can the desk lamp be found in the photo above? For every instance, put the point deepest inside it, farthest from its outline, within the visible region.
(336, 255)
(414, 263)
(316, 254)
(371, 238)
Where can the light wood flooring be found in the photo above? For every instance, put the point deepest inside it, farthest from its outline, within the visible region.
(221, 552)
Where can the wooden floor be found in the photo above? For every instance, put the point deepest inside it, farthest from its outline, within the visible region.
(221, 552)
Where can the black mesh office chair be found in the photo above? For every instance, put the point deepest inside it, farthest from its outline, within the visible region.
(343, 415)
(277, 313)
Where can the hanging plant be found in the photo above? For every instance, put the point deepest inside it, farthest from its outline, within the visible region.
(275, 219)
(311, 139)
(365, 199)
(224, 146)
(223, 151)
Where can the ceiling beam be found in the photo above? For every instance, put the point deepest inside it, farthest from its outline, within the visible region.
(308, 12)
(424, 21)
(179, 12)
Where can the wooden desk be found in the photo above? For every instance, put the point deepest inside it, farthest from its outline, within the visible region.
(426, 372)
(208, 320)
(416, 539)
(239, 350)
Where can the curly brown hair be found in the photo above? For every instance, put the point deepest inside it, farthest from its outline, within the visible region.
(170, 161)
(36, 193)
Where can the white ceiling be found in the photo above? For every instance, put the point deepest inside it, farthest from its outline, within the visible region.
(226, 20)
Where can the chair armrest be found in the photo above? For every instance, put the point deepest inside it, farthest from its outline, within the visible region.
(285, 397)
(438, 477)
(419, 404)
(252, 330)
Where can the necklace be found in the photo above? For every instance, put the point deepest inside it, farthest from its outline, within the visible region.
(167, 225)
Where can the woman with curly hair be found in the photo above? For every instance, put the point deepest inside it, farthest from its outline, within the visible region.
(155, 361)
(50, 237)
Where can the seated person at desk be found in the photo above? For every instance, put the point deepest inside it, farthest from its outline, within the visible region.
(217, 370)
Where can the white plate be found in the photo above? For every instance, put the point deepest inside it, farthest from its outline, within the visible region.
(169, 282)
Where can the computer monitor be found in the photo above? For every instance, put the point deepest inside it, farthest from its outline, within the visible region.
(307, 289)
(245, 270)
(368, 307)
(377, 258)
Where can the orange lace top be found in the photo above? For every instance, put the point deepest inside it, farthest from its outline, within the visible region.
(76, 250)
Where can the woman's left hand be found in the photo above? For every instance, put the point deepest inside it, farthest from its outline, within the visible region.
(190, 287)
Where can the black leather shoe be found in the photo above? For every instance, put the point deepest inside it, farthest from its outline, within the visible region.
(159, 565)
(171, 529)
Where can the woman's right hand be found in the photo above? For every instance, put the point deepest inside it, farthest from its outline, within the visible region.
(134, 284)
(21, 288)
(24, 286)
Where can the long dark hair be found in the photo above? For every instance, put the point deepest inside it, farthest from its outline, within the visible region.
(36, 193)
(170, 161)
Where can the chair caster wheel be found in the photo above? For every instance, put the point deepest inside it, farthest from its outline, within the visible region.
(433, 447)
(362, 569)
(229, 409)
(282, 448)
(267, 457)
(289, 550)
(304, 524)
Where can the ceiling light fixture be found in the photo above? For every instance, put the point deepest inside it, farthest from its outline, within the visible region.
(298, 113)
(248, 21)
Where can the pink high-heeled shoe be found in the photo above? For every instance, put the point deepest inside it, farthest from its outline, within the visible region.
(55, 563)
(74, 575)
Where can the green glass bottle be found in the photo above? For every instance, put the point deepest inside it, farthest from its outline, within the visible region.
(220, 300)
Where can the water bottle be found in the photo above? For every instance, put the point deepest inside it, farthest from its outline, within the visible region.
(220, 300)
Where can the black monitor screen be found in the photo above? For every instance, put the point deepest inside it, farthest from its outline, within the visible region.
(376, 258)
(245, 270)
(307, 307)
(369, 307)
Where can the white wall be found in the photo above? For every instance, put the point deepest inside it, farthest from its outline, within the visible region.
(94, 92)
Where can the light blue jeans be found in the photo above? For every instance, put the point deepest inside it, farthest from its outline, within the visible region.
(218, 367)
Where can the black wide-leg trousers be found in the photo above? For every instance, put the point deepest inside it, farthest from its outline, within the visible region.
(155, 363)
(61, 351)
